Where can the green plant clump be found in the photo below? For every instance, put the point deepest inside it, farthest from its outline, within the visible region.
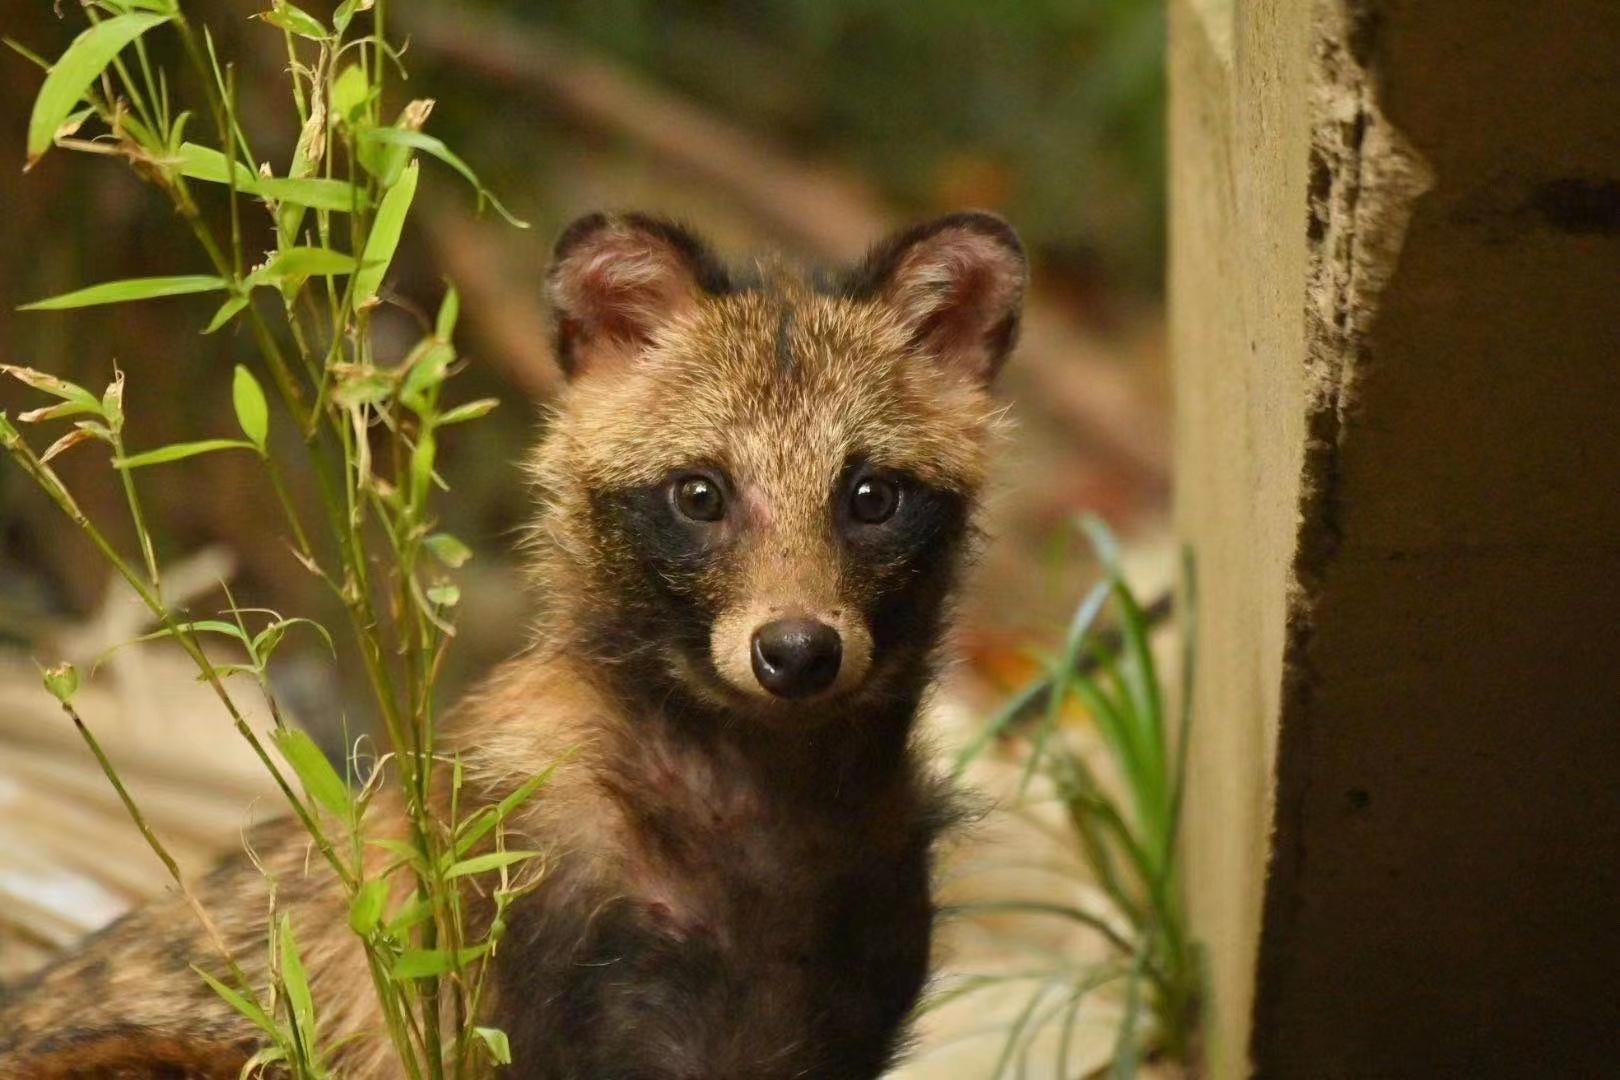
(1125, 833)
(300, 264)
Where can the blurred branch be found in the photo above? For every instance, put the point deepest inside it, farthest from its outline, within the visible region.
(832, 213)
(1067, 373)
(514, 335)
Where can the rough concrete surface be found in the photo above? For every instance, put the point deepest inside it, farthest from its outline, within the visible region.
(1442, 896)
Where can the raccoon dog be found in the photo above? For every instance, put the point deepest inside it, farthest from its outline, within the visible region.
(755, 495)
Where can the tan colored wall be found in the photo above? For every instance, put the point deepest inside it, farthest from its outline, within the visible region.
(1396, 307)
(1239, 148)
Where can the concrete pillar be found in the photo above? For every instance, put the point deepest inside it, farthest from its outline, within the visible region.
(1395, 306)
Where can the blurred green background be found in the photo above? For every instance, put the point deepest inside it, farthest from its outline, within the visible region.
(809, 124)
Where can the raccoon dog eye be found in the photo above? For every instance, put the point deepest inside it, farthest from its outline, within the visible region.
(873, 500)
(698, 497)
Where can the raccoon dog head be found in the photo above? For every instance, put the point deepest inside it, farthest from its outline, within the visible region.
(758, 490)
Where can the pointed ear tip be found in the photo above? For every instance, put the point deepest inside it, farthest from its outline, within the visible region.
(622, 226)
(983, 223)
(576, 231)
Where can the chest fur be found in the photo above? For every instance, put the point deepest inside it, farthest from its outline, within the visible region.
(729, 923)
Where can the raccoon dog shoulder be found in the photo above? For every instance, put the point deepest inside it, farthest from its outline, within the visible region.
(756, 492)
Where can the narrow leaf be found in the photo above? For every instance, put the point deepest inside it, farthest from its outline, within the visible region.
(227, 311)
(28, 54)
(426, 372)
(384, 239)
(78, 67)
(472, 410)
(479, 826)
(112, 402)
(416, 910)
(365, 910)
(68, 442)
(322, 782)
(252, 413)
(205, 163)
(179, 451)
(483, 864)
(50, 384)
(346, 11)
(418, 140)
(351, 90)
(281, 626)
(58, 411)
(296, 981)
(426, 963)
(295, 20)
(422, 455)
(302, 262)
(314, 193)
(118, 292)
(249, 1009)
(449, 309)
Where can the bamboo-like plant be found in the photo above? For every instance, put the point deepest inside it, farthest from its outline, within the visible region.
(333, 216)
(1124, 833)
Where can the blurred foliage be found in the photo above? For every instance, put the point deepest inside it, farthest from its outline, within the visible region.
(1050, 110)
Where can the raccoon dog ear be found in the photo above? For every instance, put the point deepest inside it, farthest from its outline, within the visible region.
(616, 279)
(957, 283)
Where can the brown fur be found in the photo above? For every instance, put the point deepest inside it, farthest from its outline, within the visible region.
(735, 885)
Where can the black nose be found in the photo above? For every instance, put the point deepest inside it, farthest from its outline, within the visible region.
(795, 658)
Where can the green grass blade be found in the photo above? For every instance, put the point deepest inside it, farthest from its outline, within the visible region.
(384, 238)
(28, 54)
(483, 864)
(320, 780)
(479, 825)
(119, 292)
(1127, 1046)
(1017, 1029)
(472, 410)
(1008, 712)
(199, 162)
(1085, 617)
(1078, 789)
(209, 165)
(295, 20)
(417, 140)
(227, 311)
(1042, 907)
(180, 451)
(1189, 653)
(1140, 679)
(313, 193)
(78, 67)
(294, 979)
(58, 388)
(241, 1003)
(302, 262)
(1033, 1031)
(1119, 735)
(429, 963)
